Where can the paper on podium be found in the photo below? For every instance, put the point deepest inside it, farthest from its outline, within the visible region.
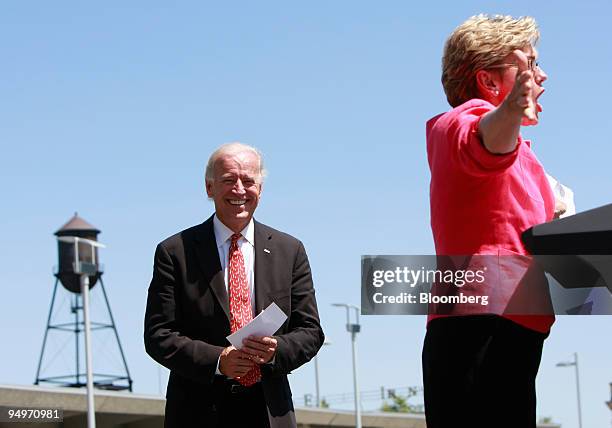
(563, 194)
(264, 324)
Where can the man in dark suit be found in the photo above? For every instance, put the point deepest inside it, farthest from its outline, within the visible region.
(210, 280)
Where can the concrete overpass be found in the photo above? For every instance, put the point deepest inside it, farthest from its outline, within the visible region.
(128, 410)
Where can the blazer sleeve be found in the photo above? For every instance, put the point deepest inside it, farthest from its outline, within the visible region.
(304, 335)
(163, 338)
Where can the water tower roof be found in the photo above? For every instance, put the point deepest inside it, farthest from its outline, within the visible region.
(77, 223)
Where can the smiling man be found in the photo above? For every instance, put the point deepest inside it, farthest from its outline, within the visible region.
(211, 280)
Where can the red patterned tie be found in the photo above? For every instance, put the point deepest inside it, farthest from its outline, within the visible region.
(241, 312)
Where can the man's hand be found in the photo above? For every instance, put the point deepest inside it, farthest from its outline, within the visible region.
(234, 363)
(261, 349)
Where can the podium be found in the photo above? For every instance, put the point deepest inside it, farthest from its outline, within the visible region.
(576, 250)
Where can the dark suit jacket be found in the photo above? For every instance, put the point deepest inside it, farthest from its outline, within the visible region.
(187, 319)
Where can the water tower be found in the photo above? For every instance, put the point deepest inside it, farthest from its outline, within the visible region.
(77, 242)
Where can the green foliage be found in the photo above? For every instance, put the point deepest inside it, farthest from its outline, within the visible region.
(398, 404)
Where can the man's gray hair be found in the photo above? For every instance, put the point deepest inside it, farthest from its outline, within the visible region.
(233, 148)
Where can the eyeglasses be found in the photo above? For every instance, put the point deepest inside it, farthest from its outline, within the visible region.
(532, 65)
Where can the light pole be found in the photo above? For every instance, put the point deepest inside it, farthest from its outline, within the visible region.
(84, 267)
(575, 364)
(316, 364)
(353, 329)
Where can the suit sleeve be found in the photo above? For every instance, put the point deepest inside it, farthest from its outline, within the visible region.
(305, 335)
(163, 338)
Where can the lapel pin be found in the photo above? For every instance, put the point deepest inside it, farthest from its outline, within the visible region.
(266, 251)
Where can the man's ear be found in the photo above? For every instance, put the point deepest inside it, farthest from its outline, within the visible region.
(487, 84)
(208, 185)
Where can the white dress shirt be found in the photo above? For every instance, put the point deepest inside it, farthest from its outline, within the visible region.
(246, 243)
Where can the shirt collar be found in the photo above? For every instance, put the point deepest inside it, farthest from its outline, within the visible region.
(224, 233)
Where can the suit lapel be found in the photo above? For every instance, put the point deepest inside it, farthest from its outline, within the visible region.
(208, 258)
(263, 256)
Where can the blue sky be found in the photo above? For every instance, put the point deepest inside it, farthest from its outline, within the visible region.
(112, 110)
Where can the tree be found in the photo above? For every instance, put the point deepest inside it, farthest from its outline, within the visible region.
(398, 404)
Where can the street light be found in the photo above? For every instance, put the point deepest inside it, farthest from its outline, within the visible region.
(316, 364)
(84, 267)
(575, 364)
(353, 329)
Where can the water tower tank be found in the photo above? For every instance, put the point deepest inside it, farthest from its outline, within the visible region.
(78, 227)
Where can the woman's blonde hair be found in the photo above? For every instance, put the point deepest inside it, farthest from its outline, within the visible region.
(478, 43)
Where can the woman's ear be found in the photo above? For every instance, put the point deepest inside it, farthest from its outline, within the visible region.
(488, 85)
